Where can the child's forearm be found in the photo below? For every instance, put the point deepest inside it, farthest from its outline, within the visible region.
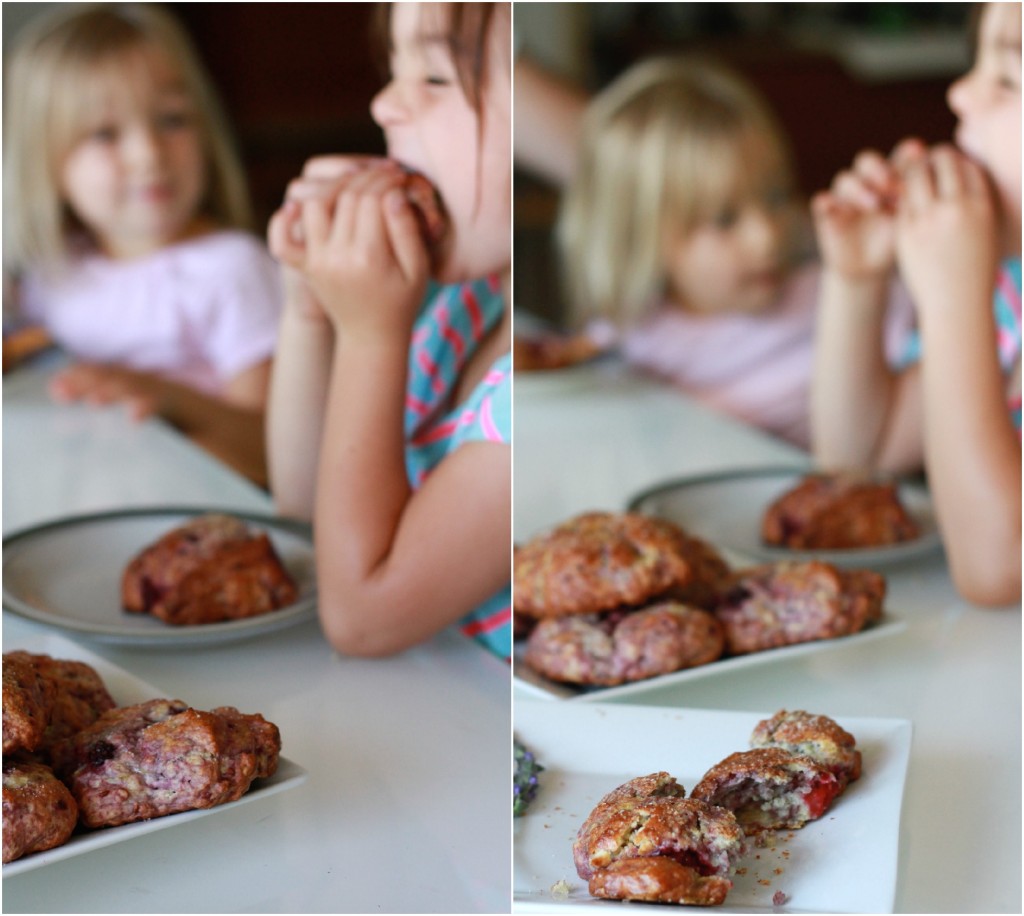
(363, 485)
(395, 565)
(298, 398)
(852, 386)
(973, 454)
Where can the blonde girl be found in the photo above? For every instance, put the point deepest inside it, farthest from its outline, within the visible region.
(682, 228)
(125, 210)
(390, 420)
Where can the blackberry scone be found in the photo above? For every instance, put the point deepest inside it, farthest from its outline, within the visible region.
(838, 512)
(27, 702)
(780, 604)
(619, 647)
(602, 561)
(161, 757)
(39, 811)
(211, 569)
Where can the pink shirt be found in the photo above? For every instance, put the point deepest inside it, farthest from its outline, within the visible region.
(199, 312)
(755, 367)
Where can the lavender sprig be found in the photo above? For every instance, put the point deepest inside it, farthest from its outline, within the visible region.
(524, 780)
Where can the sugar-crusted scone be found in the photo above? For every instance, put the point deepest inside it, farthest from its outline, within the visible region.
(600, 561)
(80, 697)
(818, 737)
(39, 811)
(161, 757)
(614, 648)
(647, 819)
(211, 569)
(779, 604)
(838, 512)
(27, 703)
(658, 879)
(769, 788)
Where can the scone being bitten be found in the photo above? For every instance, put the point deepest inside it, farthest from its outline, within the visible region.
(211, 569)
(601, 561)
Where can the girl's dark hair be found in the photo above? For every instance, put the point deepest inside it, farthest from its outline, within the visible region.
(466, 30)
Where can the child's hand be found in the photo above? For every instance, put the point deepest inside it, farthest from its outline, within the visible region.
(365, 257)
(320, 178)
(99, 385)
(361, 247)
(947, 232)
(855, 218)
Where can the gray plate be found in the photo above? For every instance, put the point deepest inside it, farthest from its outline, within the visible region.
(726, 509)
(67, 574)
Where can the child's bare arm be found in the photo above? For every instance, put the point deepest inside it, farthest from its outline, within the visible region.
(298, 390)
(947, 242)
(394, 566)
(859, 407)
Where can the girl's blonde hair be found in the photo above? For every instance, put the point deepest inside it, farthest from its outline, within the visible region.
(662, 148)
(55, 58)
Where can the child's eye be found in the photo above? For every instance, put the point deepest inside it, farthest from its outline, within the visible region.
(437, 81)
(725, 218)
(173, 120)
(104, 134)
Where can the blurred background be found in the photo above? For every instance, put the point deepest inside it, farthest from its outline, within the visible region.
(296, 79)
(840, 76)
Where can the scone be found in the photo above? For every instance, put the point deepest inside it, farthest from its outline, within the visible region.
(780, 604)
(161, 757)
(80, 697)
(646, 841)
(615, 648)
(423, 197)
(838, 512)
(546, 352)
(818, 737)
(769, 788)
(601, 561)
(27, 703)
(39, 811)
(211, 569)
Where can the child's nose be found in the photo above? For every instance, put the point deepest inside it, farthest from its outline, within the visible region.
(763, 230)
(958, 96)
(142, 146)
(387, 107)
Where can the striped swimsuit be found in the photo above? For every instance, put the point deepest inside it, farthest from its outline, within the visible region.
(454, 321)
(1007, 306)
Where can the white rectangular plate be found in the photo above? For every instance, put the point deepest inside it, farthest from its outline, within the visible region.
(538, 686)
(846, 862)
(127, 689)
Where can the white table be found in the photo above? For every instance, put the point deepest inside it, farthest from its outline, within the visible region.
(406, 808)
(592, 437)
